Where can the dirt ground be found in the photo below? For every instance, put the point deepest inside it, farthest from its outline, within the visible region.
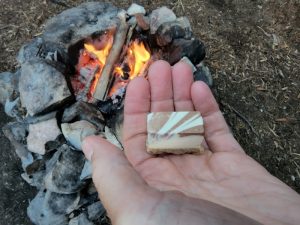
(252, 50)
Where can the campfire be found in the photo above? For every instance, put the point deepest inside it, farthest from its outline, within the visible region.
(71, 84)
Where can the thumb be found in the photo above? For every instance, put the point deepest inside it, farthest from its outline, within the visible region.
(119, 186)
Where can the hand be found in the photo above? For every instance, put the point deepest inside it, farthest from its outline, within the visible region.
(138, 188)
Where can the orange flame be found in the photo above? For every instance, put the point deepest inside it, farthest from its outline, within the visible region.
(101, 56)
(135, 63)
(140, 56)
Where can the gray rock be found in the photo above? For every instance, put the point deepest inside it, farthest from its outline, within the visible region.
(41, 86)
(203, 74)
(8, 84)
(40, 133)
(160, 16)
(80, 220)
(95, 210)
(64, 178)
(61, 203)
(167, 32)
(19, 130)
(16, 132)
(39, 216)
(111, 137)
(29, 50)
(187, 61)
(87, 170)
(35, 180)
(11, 107)
(193, 49)
(75, 24)
(135, 9)
(77, 131)
(39, 48)
(49, 208)
(84, 111)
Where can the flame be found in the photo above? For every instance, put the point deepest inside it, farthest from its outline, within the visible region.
(140, 56)
(118, 70)
(136, 61)
(101, 56)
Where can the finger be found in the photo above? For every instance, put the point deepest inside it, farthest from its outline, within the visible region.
(160, 78)
(182, 81)
(217, 133)
(118, 184)
(137, 106)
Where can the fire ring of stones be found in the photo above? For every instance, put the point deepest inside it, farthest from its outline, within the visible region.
(71, 84)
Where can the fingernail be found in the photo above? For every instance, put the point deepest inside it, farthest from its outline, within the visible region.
(87, 149)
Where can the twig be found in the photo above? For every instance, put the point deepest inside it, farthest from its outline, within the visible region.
(243, 118)
(265, 33)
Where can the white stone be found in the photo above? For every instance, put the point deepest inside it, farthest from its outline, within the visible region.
(160, 16)
(40, 133)
(135, 9)
(76, 132)
(112, 138)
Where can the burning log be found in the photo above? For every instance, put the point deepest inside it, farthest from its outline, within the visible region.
(106, 79)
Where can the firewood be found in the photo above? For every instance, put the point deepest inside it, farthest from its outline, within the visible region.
(106, 77)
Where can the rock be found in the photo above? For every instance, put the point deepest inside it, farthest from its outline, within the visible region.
(95, 210)
(115, 124)
(187, 61)
(64, 177)
(61, 203)
(143, 21)
(8, 84)
(39, 48)
(29, 50)
(11, 108)
(80, 220)
(160, 16)
(84, 111)
(55, 144)
(15, 133)
(203, 73)
(19, 131)
(77, 131)
(49, 208)
(35, 180)
(87, 170)
(40, 133)
(193, 49)
(135, 9)
(112, 138)
(42, 87)
(167, 32)
(77, 23)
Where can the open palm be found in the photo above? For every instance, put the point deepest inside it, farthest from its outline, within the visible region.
(224, 174)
